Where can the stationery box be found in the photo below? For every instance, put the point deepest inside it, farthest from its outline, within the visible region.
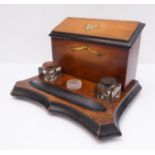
(95, 48)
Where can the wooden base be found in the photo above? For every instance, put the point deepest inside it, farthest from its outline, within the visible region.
(100, 123)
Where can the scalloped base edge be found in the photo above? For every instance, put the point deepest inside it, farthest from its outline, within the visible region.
(101, 132)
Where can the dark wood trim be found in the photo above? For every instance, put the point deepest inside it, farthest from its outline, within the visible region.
(67, 95)
(127, 100)
(27, 93)
(136, 33)
(100, 131)
(105, 41)
(61, 109)
(88, 123)
(57, 108)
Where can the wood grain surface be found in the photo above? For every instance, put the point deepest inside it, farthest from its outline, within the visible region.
(117, 62)
(101, 124)
(113, 29)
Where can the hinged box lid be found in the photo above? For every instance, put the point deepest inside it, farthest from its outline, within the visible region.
(111, 32)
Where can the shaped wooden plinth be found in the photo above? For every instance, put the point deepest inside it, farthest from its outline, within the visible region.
(100, 123)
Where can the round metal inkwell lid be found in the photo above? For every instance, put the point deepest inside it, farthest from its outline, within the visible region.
(108, 81)
(50, 64)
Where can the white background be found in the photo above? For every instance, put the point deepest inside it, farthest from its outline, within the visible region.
(24, 44)
(24, 29)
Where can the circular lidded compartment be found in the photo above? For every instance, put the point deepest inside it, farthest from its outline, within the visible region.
(74, 84)
(108, 81)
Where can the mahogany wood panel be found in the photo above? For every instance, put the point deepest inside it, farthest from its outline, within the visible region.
(111, 61)
(132, 61)
(112, 29)
(101, 124)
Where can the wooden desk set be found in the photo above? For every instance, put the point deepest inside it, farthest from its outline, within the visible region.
(92, 76)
